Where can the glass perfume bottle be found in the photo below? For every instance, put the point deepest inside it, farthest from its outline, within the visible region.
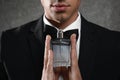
(61, 49)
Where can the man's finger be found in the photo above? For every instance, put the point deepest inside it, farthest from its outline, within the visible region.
(47, 47)
(50, 62)
(74, 61)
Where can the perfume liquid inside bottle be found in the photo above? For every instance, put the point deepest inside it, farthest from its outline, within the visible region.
(61, 49)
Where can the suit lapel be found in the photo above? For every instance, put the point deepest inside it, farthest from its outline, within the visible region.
(87, 49)
(36, 43)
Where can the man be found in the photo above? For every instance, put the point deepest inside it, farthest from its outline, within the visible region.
(94, 55)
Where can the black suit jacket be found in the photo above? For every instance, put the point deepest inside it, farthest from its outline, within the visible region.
(23, 50)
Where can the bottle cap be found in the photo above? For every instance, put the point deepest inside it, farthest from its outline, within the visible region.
(60, 34)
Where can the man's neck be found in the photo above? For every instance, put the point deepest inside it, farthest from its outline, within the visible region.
(63, 24)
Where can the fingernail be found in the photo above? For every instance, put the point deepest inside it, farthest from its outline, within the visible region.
(48, 37)
(73, 36)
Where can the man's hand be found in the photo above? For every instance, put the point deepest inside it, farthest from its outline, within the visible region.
(74, 71)
(48, 73)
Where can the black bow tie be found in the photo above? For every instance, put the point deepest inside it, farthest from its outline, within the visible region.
(53, 32)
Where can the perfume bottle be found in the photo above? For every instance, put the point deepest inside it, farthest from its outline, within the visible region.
(61, 49)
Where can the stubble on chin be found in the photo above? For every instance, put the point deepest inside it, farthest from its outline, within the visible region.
(60, 18)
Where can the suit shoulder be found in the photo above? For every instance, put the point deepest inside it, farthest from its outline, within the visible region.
(98, 27)
(103, 32)
(21, 29)
(101, 29)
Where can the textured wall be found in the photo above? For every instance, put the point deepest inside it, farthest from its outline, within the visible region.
(103, 12)
(17, 12)
(14, 13)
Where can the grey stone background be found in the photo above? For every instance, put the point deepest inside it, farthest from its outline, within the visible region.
(14, 13)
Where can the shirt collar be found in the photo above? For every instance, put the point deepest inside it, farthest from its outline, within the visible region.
(75, 25)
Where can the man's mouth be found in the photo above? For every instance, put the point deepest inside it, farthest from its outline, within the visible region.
(60, 7)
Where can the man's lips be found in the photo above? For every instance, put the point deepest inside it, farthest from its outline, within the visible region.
(60, 7)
